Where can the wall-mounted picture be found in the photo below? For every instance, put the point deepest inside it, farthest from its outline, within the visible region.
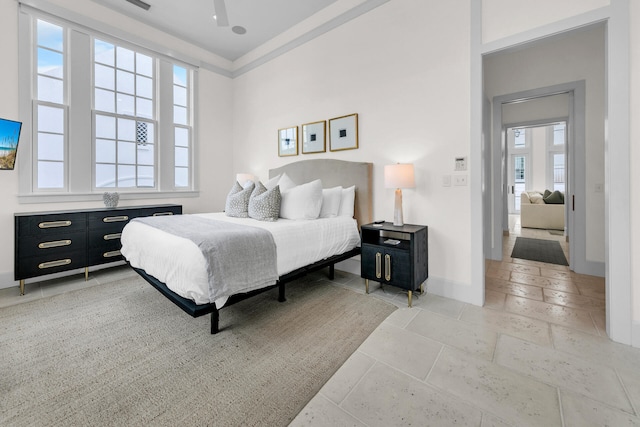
(288, 141)
(313, 137)
(343, 133)
(9, 138)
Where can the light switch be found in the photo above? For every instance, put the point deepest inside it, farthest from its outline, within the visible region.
(446, 180)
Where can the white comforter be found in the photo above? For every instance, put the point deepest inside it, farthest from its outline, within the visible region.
(179, 263)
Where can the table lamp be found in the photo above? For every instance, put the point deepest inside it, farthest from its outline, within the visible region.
(399, 176)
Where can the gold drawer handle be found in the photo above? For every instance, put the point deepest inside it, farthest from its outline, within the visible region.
(51, 264)
(115, 218)
(387, 267)
(54, 224)
(111, 254)
(54, 244)
(162, 213)
(378, 265)
(112, 236)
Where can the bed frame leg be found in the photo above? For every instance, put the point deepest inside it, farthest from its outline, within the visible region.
(215, 318)
(332, 271)
(281, 297)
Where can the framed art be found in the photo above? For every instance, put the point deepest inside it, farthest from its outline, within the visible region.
(343, 133)
(313, 137)
(288, 141)
(9, 138)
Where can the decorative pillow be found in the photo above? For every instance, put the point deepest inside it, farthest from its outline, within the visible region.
(546, 194)
(237, 203)
(347, 205)
(555, 198)
(264, 205)
(302, 202)
(535, 198)
(331, 198)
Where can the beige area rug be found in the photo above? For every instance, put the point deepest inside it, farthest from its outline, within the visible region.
(122, 354)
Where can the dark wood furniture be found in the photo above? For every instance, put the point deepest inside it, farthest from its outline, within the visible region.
(395, 255)
(56, 241)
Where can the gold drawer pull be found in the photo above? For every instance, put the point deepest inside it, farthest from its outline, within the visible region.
(54, 224)
(54, 244)
(112, 236)
(162, 213)
(387, 267)
(115, 218)
(111, 254)
(378, 265)
(51, 264)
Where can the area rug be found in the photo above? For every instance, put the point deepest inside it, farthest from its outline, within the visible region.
(122, 354)
(541, 250)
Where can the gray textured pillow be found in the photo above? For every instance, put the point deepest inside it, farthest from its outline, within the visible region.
(237, 204)
(264, 205)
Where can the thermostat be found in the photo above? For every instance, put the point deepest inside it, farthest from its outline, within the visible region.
(461, 164)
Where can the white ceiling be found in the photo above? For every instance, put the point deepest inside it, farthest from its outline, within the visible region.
(192, 20)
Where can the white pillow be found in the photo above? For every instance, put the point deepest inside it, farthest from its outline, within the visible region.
(347, 205)
(331, 199)
(271, 184)
(302, 202)
(285, 182)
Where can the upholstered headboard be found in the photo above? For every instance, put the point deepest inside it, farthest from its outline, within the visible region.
(334, 173)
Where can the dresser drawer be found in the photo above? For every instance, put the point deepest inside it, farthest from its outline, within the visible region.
(112, 221)
(44, 225)
(52, 243)
(51, 263)
(104, 254)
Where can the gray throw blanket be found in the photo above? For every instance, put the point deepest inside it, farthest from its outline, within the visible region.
(239, 258)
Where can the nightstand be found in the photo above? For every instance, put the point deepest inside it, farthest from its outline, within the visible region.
(395, 255)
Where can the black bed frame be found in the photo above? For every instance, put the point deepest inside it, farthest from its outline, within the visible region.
(197, 310)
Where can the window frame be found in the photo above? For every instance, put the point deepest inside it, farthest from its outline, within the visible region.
(80, 159)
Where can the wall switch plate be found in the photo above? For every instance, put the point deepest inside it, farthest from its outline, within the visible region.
(461, 164)
(446, 180)
(460, 180)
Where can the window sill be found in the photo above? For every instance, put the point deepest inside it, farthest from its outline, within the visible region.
(87, 197)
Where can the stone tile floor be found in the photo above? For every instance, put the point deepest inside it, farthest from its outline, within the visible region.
(536, 354)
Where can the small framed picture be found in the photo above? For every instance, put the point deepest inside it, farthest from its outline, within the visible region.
(288, 141)
(313, 137)
(343, 133)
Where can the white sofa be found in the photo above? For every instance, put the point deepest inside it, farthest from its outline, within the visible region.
(535, 213)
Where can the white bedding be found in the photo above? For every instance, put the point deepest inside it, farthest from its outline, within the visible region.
(179, 263)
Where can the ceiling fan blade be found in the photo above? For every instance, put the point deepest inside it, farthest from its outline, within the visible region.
(221, 13)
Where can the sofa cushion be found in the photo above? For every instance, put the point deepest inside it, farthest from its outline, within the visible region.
(555, 198)
(535, 198)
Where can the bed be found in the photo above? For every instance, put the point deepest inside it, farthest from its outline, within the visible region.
(176, 267)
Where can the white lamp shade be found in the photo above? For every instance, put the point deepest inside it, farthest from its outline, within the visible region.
(399, 176)
(243, 178)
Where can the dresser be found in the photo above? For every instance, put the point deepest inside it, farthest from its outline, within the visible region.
(56, 241)
(395, 255)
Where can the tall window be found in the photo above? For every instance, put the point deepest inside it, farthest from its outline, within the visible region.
(124, 123)
(120, 118)
(556, 155)
(50, 105)
(181, 128)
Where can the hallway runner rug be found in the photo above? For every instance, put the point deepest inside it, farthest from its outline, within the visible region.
(548, 251)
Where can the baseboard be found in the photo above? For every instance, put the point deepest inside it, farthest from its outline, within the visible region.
(351, 265)
(458, 291)
(592, 268)
(635, 334)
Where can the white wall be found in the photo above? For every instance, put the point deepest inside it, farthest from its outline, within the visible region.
(635, 160)
(504, 18)
(214, 141)
(579, 56)
(411, 92)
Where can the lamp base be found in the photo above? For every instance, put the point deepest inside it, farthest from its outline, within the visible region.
(397, 210)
